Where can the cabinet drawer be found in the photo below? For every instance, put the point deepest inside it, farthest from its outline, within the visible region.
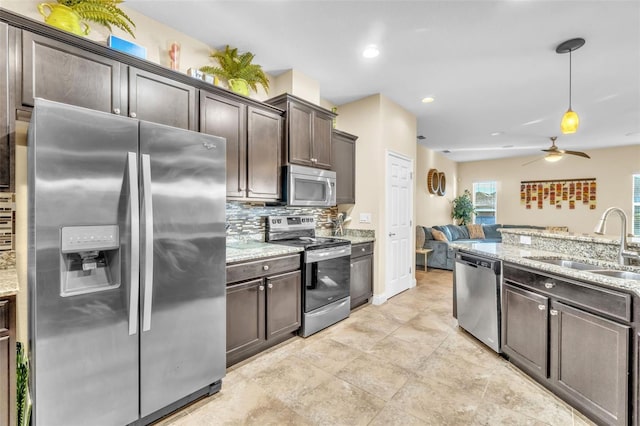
(589, 296)
(361, 249)
(4, 316)
(262, 267)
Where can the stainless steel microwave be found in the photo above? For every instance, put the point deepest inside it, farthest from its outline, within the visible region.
(308, 186)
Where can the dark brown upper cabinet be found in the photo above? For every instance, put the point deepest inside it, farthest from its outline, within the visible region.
(64, 73)
(254, 138)
(308, 131)
(343, 154)
(5, 141)
(161, 100)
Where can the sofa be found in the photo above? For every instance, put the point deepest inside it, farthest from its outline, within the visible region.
(442, 256)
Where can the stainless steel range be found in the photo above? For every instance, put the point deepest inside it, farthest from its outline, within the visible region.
(325, 274)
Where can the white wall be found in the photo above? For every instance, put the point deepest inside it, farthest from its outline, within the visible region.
(432, 209)
(612, 168)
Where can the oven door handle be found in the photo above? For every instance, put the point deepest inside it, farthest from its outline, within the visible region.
(320, 255)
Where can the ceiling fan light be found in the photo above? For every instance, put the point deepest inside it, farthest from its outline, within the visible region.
(570, 122)
(552, 157)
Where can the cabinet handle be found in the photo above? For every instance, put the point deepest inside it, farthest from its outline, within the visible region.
(542, 307)
(261, 288)
(553, 312)
(265, 267)
(133, 115)
(270, 285)
(116, 110)
(549, 285)
(363, 249)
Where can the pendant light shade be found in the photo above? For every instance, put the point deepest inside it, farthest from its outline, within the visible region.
(570, 120)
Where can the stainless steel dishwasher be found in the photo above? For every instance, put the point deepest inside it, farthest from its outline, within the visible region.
(477, 281)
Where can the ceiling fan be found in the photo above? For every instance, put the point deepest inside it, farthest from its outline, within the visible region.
(555, 154)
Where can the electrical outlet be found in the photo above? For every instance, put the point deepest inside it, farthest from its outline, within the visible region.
(365, 217)
(525, 239)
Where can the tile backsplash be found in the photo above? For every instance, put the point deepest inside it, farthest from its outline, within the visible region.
(247, 219)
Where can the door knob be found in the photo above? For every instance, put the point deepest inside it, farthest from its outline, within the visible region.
(553, 312)
(116, 110)
(270, 285)
(392, 234)
(261, 288)
(542, 307)
(133, 115)
(549, 285)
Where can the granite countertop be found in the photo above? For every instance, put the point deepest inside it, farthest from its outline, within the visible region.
(356, 239)
(521, 256)
(8, 282)
(251, 250)
(632, 242)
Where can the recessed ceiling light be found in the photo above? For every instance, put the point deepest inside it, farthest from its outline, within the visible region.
(371, 51)
(496, 133)
(428, 100)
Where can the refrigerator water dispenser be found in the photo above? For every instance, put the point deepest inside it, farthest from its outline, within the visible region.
(90, 259)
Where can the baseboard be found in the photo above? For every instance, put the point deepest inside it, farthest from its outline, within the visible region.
(378, 299)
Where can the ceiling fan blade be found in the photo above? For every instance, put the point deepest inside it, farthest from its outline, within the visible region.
(578, 153)
(532, 161)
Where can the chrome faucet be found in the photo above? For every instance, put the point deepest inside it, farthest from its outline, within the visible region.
(624, 255)
(339, 223)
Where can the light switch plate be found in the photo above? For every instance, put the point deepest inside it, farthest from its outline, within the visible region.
(365, 217)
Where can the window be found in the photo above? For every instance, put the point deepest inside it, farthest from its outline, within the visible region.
(484, 201)
(635, 220)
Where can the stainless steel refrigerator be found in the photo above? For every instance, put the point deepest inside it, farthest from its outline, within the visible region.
(126, 266)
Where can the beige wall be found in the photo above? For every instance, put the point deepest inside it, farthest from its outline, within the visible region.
(381, 126)
(612, 167)
(151, 34)
(432, 209)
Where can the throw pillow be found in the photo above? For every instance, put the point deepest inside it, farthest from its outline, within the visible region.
(444, 229)
(475, 232)
(420, 237)
(438, 235)
(458, 232)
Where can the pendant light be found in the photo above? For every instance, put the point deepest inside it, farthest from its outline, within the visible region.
(570, 119)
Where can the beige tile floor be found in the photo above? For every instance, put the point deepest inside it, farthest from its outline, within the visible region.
(405, 362)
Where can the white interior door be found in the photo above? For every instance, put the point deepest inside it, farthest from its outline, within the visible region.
(399, 210)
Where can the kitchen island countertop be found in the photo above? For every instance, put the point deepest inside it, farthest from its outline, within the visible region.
(523, 256)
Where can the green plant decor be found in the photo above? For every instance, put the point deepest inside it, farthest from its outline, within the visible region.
(23, 400)
(234, 66)
(103, 12)
(462, 208)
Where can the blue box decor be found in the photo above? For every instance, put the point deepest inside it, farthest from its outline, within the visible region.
(125, 46)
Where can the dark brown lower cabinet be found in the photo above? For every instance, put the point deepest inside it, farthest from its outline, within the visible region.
(264, 310)
(361, 274)
(7, 361)
(569, 343)
(525, 328)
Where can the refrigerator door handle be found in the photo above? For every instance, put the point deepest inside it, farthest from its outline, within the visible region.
(134, 268)
(147, 204)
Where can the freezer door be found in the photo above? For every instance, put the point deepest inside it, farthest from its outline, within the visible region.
(84, 359)
(183, 271)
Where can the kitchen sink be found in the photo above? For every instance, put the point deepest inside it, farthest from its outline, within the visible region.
(566, 263)
(617, 274)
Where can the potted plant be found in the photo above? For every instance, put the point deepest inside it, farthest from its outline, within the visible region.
(238, 70)
(462, 208)
(69, 15)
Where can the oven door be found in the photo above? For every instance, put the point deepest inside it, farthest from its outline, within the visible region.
(326, 281)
